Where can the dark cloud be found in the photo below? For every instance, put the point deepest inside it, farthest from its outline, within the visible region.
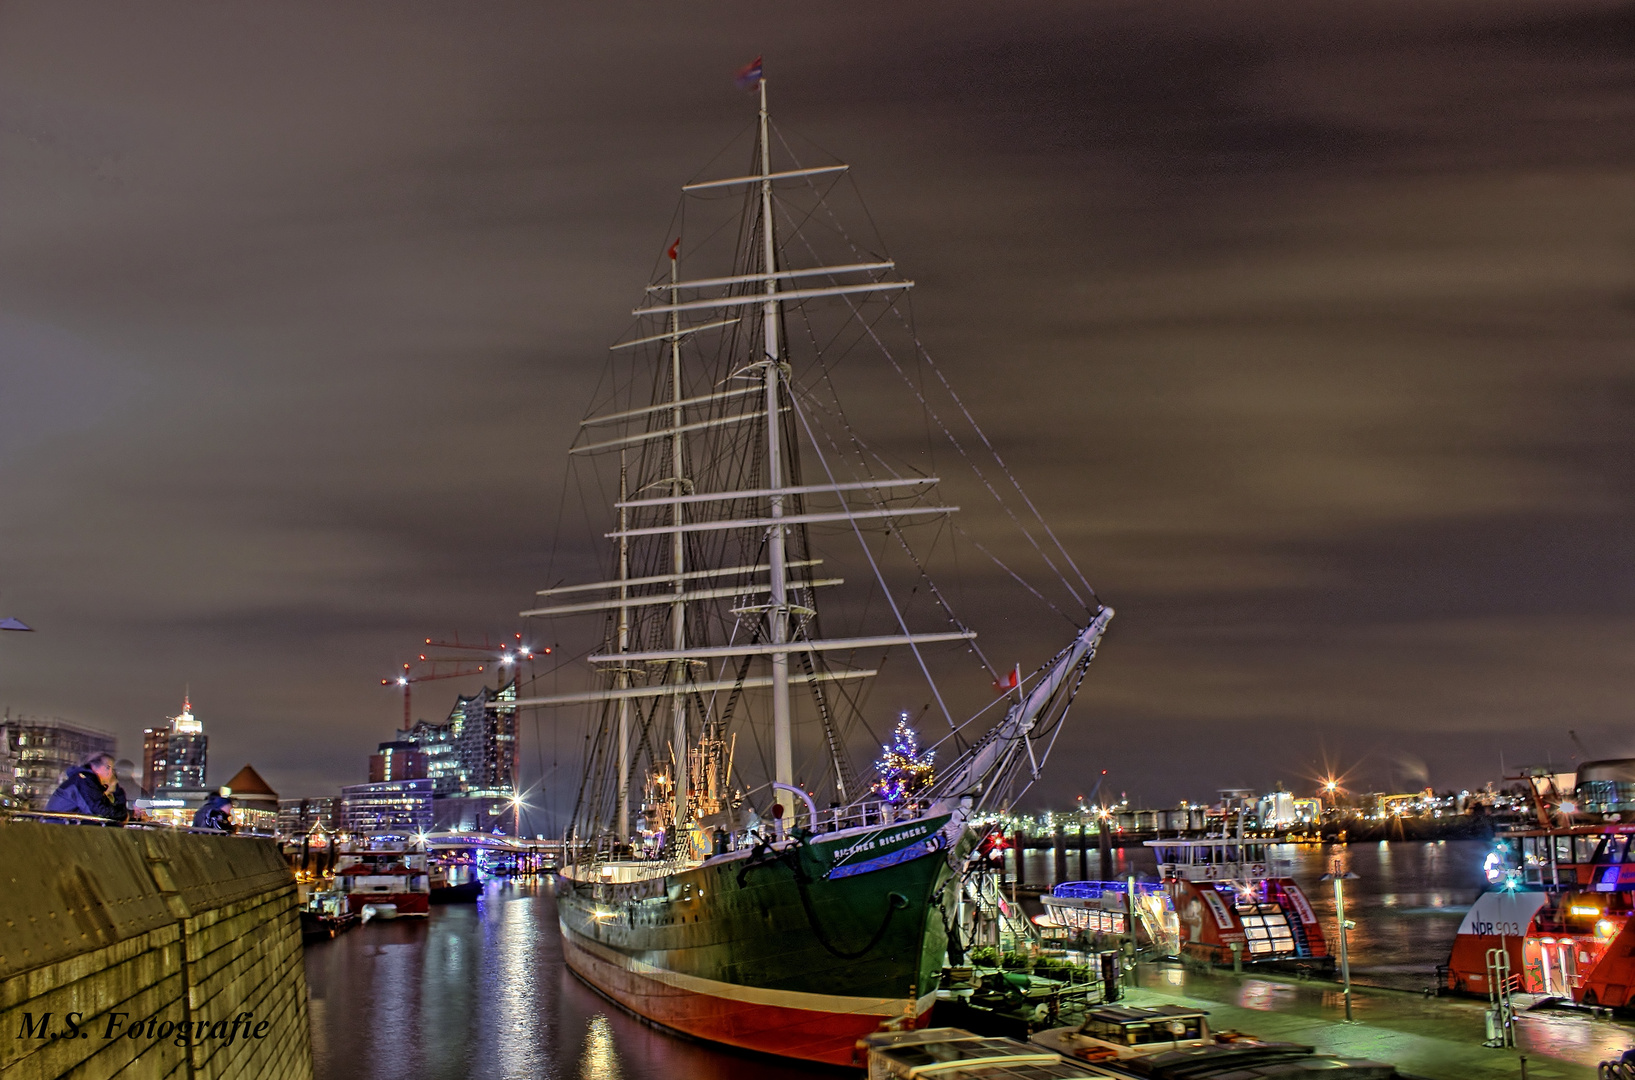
(1308, 328)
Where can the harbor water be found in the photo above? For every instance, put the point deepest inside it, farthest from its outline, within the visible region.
(1407, 898)
(480, 990)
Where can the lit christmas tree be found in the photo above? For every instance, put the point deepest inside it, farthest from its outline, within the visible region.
(904, 769)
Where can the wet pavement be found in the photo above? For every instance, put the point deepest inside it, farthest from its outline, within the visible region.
(1434, 1038)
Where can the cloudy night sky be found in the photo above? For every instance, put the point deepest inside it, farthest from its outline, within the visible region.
(1310, 328)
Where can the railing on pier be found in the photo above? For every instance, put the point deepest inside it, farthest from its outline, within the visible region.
(17, 814)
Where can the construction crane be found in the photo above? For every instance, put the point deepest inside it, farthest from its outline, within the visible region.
(457, 667)
(409, 677)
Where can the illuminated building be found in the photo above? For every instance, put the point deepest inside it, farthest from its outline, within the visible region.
(298, 817)
(401, 807)
(471, 761)
(255, 804)
(173, 757)
(402, 760)
(40, 750)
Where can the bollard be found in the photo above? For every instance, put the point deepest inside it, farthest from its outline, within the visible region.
(1237, 958)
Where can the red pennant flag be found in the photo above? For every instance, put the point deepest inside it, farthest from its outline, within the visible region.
(1009, 682)
(675, 248)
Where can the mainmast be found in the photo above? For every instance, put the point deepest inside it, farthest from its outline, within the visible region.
(622, 679)
(783, 758)
(678, 557)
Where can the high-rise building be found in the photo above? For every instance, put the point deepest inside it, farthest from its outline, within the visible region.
(471, 761)
(474, 752)
(401, 760)
(39, 752)
(173, 756)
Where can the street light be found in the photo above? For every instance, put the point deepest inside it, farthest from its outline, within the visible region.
(1339, 877)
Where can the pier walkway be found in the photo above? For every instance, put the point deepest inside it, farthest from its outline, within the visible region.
(1433, 1038)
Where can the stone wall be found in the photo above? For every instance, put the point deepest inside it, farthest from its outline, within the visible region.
(105, 932)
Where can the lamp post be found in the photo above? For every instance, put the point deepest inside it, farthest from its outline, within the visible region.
(1339, 877)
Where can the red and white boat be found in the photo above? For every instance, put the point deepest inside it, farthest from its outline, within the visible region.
(382, 874)
(1556, 918)
(1232, 900)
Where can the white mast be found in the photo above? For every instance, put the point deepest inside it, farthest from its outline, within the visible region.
(783, 764)
(678, 607)
(623, 679)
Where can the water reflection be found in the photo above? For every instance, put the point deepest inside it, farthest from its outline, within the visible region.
(600, 1061)
(480, 990)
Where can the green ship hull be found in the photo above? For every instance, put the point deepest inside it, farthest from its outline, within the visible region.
(796, 950)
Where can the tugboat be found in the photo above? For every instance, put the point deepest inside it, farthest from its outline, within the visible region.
(1556, 916)
(1234, 903)
(388, 876)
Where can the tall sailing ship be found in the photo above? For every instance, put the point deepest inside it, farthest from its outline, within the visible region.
(704, 887)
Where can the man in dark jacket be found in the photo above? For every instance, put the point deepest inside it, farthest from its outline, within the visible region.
(217, 812)
(90, 790)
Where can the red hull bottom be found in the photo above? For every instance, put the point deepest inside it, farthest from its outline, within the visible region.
(785, 1031)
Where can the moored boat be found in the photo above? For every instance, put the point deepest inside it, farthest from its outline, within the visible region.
(1558, 915)
(1235, 903)
(701, 890)
(384, 873)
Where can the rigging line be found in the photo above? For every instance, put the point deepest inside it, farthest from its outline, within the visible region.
(902, 541)
(824, 461)
(1017, 484)
(1020, 580)
(959, 447)
(924, 354)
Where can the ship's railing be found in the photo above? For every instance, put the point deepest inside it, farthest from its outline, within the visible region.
(1094, 890)
(863, 814)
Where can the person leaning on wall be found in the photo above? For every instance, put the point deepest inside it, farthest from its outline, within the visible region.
(91, 790)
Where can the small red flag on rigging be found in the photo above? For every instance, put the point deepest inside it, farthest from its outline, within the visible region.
(1010, 682)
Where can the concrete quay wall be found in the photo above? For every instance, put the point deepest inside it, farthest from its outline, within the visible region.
(111, 938)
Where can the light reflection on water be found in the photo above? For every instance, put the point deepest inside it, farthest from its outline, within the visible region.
(600, 1060)
(1407, 899)
(480, 991)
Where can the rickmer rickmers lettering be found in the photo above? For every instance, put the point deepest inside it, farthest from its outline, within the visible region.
(702, 886)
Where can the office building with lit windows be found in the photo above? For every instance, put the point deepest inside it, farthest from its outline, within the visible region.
(38, 753)
(398, 807)
(173, 756)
